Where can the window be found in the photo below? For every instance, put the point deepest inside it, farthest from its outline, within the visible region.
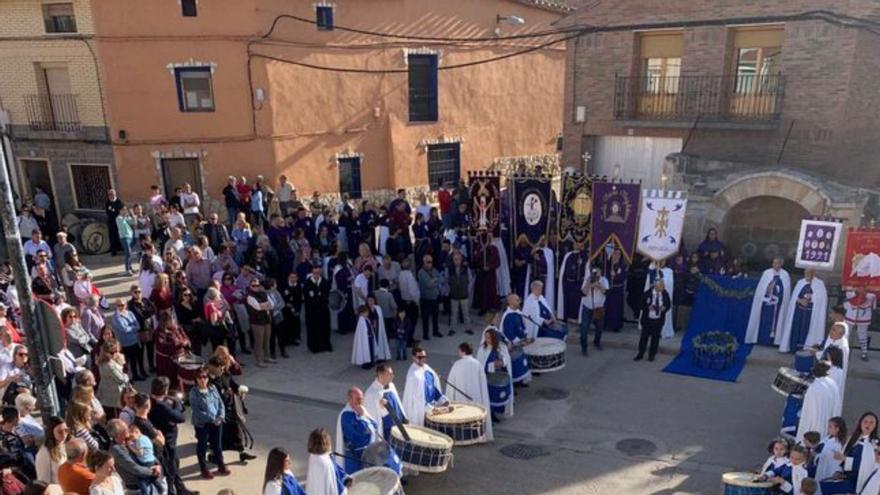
(189, 8)
(350, 177)
(422, 88)
(90, 184)
(59, 18)
(758, 59)
(444, 163)
(194, 92)
(324, 14)
(661, 62)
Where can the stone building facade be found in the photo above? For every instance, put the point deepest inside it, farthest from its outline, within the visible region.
(765, 112)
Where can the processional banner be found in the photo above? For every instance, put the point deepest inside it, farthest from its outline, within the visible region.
(661, 222)
(531, 207)
(615, 217)
(576, 208)
(817, 245)
(485, 207)
(861, 261)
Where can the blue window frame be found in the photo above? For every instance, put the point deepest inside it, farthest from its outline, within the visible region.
(350, 177)
(423, 88)
(195, 92)
(324, 16)
(444, 163)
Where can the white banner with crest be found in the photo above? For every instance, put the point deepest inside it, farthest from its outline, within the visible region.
(661, 221)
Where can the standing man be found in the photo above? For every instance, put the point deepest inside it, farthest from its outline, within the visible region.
(513, 328)
(230, 198)
(769, 306)
(572, 275)
(190, 202)
(284, 194)
(316, 292)
(466, 382)
(356, 430)
(421, 393)
(821, 401)
(259, 309)
(805, 318)
(485, 260)
(659, 270)
(430, 281)
(216, 233)
(656, 304)
(458, 277)
(859, 306)
(592, 308)
(382, 401)
(112, 207)
(166, 412)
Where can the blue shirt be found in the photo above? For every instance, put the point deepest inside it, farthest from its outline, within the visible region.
(432, 393)
(206, 406)
(126, 327)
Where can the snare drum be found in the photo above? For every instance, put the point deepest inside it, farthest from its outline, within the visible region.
(188, 366)
(519, 364)
(336, 300)
(556, 330)
(375, 481)
(500, 388)
(546, 354)
(743, 484)
(428, 451)
(465, 424)
(804, 360)
(790, 382)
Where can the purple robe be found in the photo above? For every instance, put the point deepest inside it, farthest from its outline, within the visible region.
(616, 273)
(572, 280)
(518, 274)
(346, 318)
(485, 262)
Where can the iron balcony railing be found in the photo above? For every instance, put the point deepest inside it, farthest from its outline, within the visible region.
(743, 98)
(52, 112)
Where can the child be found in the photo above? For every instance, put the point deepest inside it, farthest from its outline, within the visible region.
(828, 452)
(141, 448)
(403, 328)
(791, 478)
(809, 487)
(278, 334)
(810, 441)
(778, 461)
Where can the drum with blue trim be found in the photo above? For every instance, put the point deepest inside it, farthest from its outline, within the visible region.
(804, 360)
(791, 416)
(500, 388)
(745, 484)
(519, 364)
(555, 330)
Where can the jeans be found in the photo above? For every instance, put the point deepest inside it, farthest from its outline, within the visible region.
(126, 251)
(401, 349)
(231, 213)
(430, 310)
(459, 307)
(586, 321)
(209, 434)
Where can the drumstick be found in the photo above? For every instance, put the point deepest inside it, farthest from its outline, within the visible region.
(354, 459)
(399, 424)
(468, 397)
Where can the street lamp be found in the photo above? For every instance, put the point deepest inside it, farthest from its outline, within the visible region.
(512, 20)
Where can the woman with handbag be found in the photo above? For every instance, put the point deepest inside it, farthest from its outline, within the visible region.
(219, 326)
(171, 344)
(235, 436)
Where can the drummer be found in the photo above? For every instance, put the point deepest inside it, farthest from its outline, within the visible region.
(382, 401)
(514, 331)
(355, 431)
(541, 321)
(494, 358)
(421, 393)
(171, 344)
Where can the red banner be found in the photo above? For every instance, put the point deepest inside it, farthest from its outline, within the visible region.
(861, 263)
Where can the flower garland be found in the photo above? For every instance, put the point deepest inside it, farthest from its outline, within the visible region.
(728, 293)
(723, 343)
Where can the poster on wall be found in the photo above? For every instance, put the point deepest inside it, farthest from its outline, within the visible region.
(861, 260)
(661, 222)
(817, 244)
(615, 217)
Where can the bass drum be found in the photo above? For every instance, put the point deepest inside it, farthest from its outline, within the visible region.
(68, 221)
(95, 238)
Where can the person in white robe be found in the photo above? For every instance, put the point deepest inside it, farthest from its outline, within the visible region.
(549, 283)
(834, 358)
(658, 269)
(360, 288)
(324, 475)
(805, 316)
(820, 402)
(837, 338)
(356, 430)
(830, 449)
(495, 358)
(537, 309)
(377, 318)
(382, 401)
(421, 392)
(769, 305)
(466, 382)
(502, 274)
(365, 351)
(872, 480)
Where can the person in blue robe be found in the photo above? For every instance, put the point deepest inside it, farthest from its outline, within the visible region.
(573, 273)
(513, 329)
(859, 445)
(771, 309)
(347, 319)
(359, 430)
(279, 479)
(522, 255)
(800, 322)
(616, 271)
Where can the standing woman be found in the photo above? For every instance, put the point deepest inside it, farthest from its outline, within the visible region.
(52, 454)
(126, 328)
(190, 318)
(236, 436)
(325, 476)
(113, 378)
(171, 343)
(160, 293)
(144, 312)
(278, 479)
(208, 414)
(616, 273)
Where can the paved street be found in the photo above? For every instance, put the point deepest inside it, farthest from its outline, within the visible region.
(624, 427)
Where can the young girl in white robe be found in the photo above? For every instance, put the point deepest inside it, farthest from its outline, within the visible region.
(778, 462)
(830, 449)
(325, 476)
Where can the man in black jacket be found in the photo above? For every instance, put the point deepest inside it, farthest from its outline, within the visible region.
(165, 414)
(655, 304)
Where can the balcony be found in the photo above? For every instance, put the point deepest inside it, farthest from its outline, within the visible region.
(728, 101)
(52, 112)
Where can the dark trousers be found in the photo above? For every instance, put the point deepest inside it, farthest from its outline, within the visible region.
(132, 355)
(210, 434)
(278, 337)
(586, 321)
(412, 314)
(148, 352)
(171, 466)
(650, 330)
(430, 309)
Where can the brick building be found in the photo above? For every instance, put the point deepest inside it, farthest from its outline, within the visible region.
(765, 112)
(51, 104)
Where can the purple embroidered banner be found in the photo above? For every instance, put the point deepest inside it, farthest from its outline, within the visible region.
(817, 246)
(485, 208)
(615, 216)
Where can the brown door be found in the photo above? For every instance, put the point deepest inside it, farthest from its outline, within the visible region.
(179, 171)
(36, 173)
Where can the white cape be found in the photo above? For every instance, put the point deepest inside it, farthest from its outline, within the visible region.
(826, 464)
(363, 283)
(483, 355)
(560, 300)
(383, 235)
(549, 288)
(758, 301)
(817, 318)
(533, 311)
(843, 345)
(321, 476)
(820, 405)
(414, 393)
(340, 441)
(360, 352)
(373, 395)
(502, 274)
(668, 330)
(467, 376)
(872, 487)
(837, 374)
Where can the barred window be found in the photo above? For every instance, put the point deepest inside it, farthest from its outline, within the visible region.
(90, 184)
(444, 164)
